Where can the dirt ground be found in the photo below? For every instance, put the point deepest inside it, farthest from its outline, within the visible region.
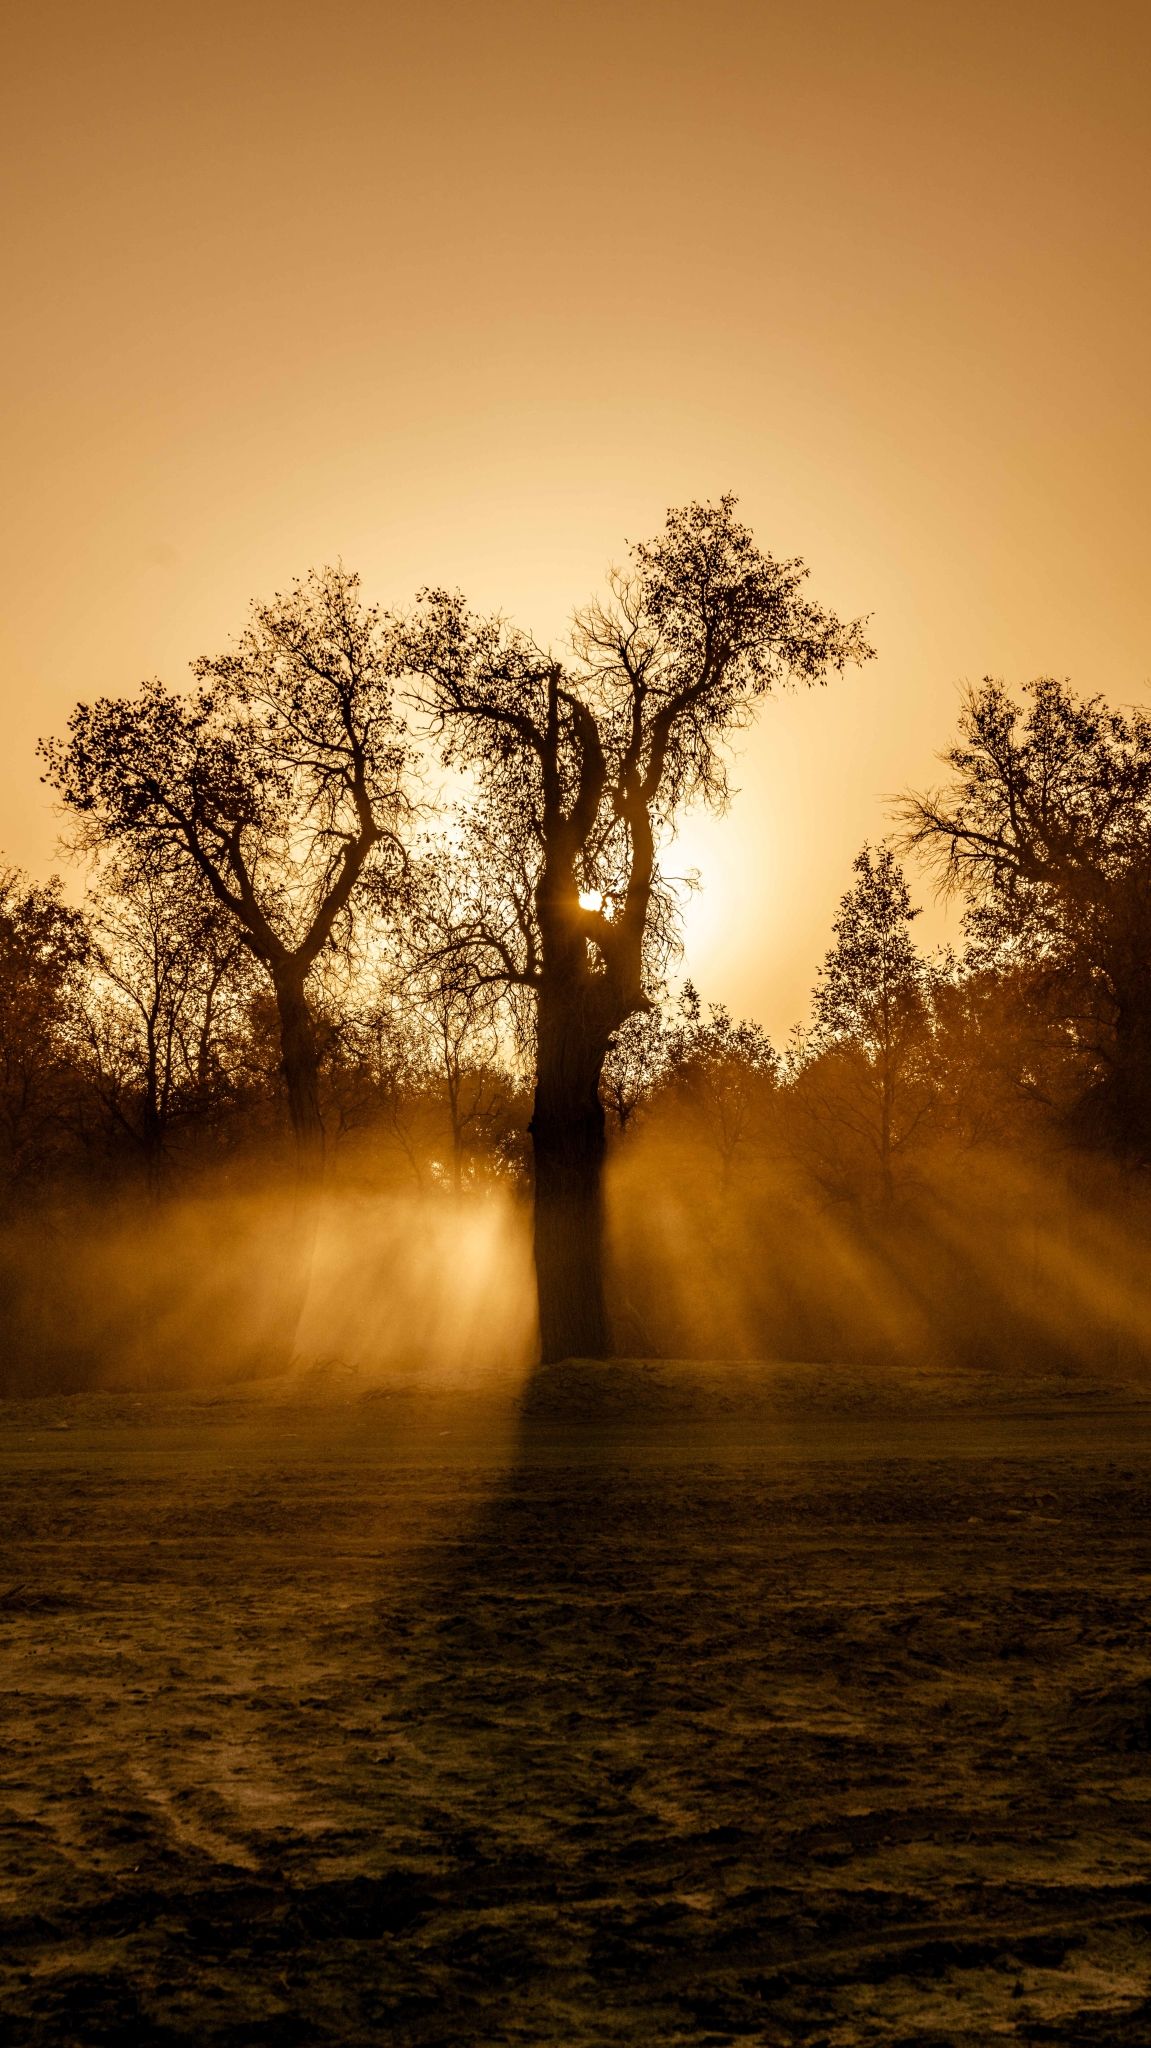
(669, 1704)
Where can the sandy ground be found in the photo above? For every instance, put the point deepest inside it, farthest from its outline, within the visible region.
(675, 1705)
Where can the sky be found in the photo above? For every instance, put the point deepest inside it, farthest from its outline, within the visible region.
(470, 294)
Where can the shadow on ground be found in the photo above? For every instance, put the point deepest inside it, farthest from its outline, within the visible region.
(682, 1706)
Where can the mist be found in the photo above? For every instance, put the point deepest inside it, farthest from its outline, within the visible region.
(991, 1263)
(214, 1287)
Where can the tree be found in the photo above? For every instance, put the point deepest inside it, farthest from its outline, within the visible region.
(582, 771)
(1045, 825)
(375, 1077)
(460, 1015)
(44, 950)
(722, 1069)
(280, 782)
(635, 1066)
(168, 970)
(864, 1068)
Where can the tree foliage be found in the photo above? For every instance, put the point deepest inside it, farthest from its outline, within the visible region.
(584, 767)
(44, 952)
(280, 782)
(864, 1070)
(163, 1019)
(723, 1072)
(1045, 826)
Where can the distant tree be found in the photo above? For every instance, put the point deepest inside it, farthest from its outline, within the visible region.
(583, 770)
(864, 1065)
(280, 783)
(375, 1098)
(723, 1070)
(1006, 1066)
(44, 951)
(169, 974)
(461, 1016)
(1045, 826)
(635, 1066)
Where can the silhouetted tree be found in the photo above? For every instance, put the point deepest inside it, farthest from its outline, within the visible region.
(168, 975)
(1005, 1065)
(723, 1071)
(1045, 825)
(280, 781)
(44, 948)
(583, 769)
(462, 1019)
(636, 1064)
(863, 1071)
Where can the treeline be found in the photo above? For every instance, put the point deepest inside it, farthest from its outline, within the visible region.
(140, 1054)
(950, 1159)
(298, 959)
(138, 1050)
(140, 1045)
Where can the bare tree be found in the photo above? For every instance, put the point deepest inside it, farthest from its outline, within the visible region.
(583, 769)
(280, 781)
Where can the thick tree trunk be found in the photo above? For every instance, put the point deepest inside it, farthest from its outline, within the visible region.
(568, 1143)
(301, 1068)
(300, 1065)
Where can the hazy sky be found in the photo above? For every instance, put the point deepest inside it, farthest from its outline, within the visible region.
(471, 293)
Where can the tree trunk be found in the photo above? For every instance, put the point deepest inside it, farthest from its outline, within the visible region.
(301, 1067)
(568, 1145)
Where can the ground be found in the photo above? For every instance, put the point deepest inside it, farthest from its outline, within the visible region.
(665, 1704)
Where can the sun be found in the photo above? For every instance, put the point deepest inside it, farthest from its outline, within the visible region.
(590, 899)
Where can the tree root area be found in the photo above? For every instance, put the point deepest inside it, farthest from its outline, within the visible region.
(412, 1721)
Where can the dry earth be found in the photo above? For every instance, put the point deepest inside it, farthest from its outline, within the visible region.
(677, 1705)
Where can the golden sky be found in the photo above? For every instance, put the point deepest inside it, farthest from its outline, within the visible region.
(471, 293)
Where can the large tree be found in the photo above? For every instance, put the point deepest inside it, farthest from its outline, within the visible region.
(582, 767)
(279, 781)
(1045, 825)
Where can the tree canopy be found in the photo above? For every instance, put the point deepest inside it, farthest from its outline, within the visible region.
(281, 781)
(1045, 825)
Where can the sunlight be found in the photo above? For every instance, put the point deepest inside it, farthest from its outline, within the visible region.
(590, 899)
(463, 1314)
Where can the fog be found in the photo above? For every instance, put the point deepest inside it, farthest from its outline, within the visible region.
(988, 1260)
(212, 1288)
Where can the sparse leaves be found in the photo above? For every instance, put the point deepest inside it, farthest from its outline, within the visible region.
(583, 767)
